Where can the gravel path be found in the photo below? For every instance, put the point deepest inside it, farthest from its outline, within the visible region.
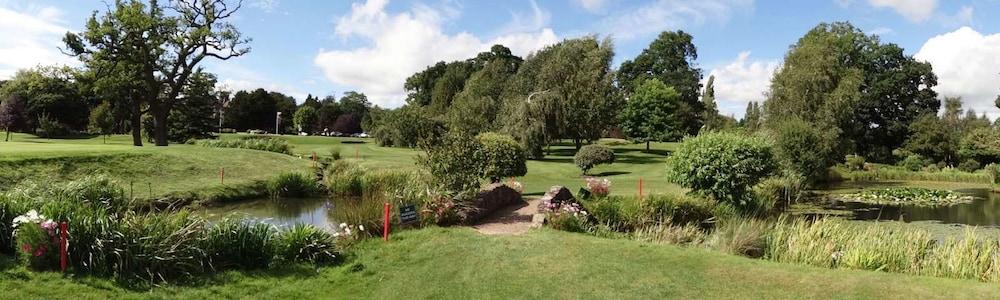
(515, 219)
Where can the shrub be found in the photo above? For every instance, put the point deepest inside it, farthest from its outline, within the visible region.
(502, 156)
(599, 187)
(994, 171)
(854, 162)
(981, 144)
(455, 162)
(344, 178)
(777, 192)
(721, 165)
(49, 127)
(592, 155)
(235, 243)
(306, 243)
(38, 240)
(254, 142)
(913, 162)
(335, 153)
(969, 165)
(805, 148)
(627, 214)
(568, 222)
(292, 185)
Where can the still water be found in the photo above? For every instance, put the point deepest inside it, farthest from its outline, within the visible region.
(983, 211)
(281, 212)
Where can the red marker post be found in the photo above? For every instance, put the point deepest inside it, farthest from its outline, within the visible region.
(385, 223)
(640, 188)
(63, 236)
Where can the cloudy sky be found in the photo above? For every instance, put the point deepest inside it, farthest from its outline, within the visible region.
(329, 47)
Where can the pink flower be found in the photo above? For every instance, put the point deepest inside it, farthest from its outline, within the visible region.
(26, 247)
(40, 251)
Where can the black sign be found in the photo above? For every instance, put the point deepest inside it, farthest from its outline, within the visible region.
(407, 214)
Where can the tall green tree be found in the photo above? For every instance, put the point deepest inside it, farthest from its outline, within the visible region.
(933, 138)
(670, 58)
(49, 91)
(572, 81)
(102, 120)
(475, 109)
(710, 115)
(838, 76)
(160, 46)
(12, 115)
(306, 118)
(752, 118)
(648, 114)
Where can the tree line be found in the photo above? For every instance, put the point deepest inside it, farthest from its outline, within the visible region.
(142, 75)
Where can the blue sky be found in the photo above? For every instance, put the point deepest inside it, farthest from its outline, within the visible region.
(329, 47)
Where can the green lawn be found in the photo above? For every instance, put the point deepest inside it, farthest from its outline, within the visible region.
(176, 168)
(633, 163)
(458, 263)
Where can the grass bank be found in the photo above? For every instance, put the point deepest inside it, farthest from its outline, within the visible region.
(153, 172)
(449, 263)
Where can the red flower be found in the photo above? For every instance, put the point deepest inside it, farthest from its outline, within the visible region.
(26, 247)
(40, 251)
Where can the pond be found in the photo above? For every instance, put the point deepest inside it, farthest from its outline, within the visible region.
(281, 212)
(984, 210)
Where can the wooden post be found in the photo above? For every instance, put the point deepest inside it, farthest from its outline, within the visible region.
(640, 188)
(63, 255)
(385, 223)
(314, 159)
(222, 175)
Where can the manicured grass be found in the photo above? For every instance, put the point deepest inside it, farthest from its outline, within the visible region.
(164, 170)
(458, 263)
(633, 163)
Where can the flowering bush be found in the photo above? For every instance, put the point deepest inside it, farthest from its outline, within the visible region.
(516, 186)
(599, 187)
(440, 210)
(38, 240)
(567, 216)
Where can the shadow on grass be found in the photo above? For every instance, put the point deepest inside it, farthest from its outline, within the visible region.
(610, 173)
(352, 142)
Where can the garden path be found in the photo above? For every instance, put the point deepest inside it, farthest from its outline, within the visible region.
(514, 219)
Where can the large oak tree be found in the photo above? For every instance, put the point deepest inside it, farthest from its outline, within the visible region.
(159, 47)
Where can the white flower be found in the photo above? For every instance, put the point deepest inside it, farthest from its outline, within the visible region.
(347, 231)
(361, 227)
(343, 225)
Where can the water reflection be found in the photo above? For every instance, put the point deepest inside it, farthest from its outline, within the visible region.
(281, 212)
(983, 211)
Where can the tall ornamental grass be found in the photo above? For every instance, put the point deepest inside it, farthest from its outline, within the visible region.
(293, 185)
(363, 192)
(254, 142)
(110, 239)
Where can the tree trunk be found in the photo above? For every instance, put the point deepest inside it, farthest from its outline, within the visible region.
(136, 121)
(159, 123)
(578, 143)
(7, 139)
(647, 146)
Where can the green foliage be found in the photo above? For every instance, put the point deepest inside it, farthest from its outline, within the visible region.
(592, 155)
(776, 193)
(306, 118)
(455, 162)
(804, 148)
(52, 93)
(969, 165)
(650, 113)
(908, 196)
(994, 171)
(981, 144)
(931, 137)
(839, 77)
(669, 59)
(722, 165)
(502, 156)
(194, 114)
(233, 243)
(854, 162)
(256, 110)
(306, 243)
(50, 128)
(407, 126)
(741, 236)
(292, 185)
(913, 162)
(884, 172)
(255, 142)
(628, 214)
(101, 120)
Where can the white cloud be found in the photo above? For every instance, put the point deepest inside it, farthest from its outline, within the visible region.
(29, 38)
(594, 6)
(741, 81)
(265, 5)
(659, 15)
(538, 20)
(914, 10)
(967, 65)
(881, 31)
(962, 17)
(399, 45)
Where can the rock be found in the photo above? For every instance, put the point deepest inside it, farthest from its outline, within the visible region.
(537, 220)
(493, 197)
(557, 194)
